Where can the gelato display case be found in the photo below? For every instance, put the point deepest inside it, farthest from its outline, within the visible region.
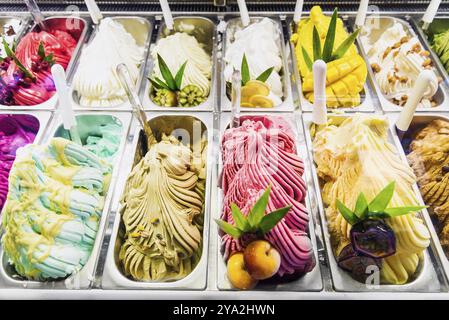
(215, 200)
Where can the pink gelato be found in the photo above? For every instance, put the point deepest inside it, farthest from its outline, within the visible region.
(15, 131)
(258, 153)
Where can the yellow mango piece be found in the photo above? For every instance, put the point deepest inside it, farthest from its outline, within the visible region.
(248, 92)
(261, 87)
(246, 105)
(261, 101)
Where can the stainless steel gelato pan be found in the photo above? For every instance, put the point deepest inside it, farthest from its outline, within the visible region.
(190, 129)
(88, 125)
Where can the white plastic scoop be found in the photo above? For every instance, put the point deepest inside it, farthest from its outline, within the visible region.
(420, 87)
(65, 103)
(37, 15)
(244, 15)
(298, 11)
(319, 113)
(430, 13)
(168, 18)
(94, 11)
(235, 98)
(361, 14)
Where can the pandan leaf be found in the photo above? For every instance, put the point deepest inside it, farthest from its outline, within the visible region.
(179, 75)
(166, 73)
(257, 212)
(307, 59)
(229, 229)
(265, 75)
(156, 84)
(330, 38)
(376, 215)
(399, 211)
(361, 206)
(349, 216)
(240, 220)
(345, 45)
(161, 83)
(12, 55)
(316, 45)
(41, 50)
(244, 69)
(381, 201)
(14, 45)
(270, 220)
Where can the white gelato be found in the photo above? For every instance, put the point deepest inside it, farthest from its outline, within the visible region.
(178, 48)
(397, 59)
(259, 42)
(96, 80)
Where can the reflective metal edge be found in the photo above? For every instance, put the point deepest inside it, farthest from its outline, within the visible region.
(287, 101)
(149, 23)
(424, 119)
(112, 277)
(368, 104)
(50, 104)
(426, 281)
(210, 103)
(386, 104)
(24, 18)
(84, 277)
(311, 281)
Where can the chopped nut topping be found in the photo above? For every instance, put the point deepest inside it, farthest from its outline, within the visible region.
(403, 79)
(396, 45)
(395, 53)
(387, 51)
(425, 53)
(405, 39)
(376, 68)
(427, 62)
(416, 48)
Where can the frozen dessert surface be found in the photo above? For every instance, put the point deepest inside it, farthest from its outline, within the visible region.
(163, 212)
(259, 42)
(9, 33)
(397, 59)
(15, 131)
(429, 158)
(96, 81)
(107, 143)
(259, 153)
(439, 45)
(353, 156)
(51, 216)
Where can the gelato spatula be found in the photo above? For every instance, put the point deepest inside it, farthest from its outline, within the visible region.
(127, 84)
(168, 18)
(361, 14)
(319, 113)
(94, 11)
(65, 103)
(235, 98)
(37, 15)
(419, 89)
(298, 11)
(243, 12)
(430, 13)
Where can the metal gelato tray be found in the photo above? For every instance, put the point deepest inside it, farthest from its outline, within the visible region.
(141, 28)
(382, 23)
(232, 26)
(8, 19)
(368, 103)
(78, 28)
(84, 277)
(419, 121)
(311, 281)
(205, 31)
(113, 276)
(426, 279)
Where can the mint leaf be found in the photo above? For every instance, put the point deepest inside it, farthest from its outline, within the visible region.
(240, 220)
(361, 206)
(399, 211)
(349, 216)
(179, 75)
(330, 38)
(41, 50)
(229, 229)
(19, 65)
(269, 221)
(381, 201)
(307, 59)
(265, 75)
(257, 212)
(316, 45)
(245, 70)
(166, 73)
(345, 45)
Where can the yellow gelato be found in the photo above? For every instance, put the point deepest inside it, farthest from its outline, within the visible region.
(355, 156)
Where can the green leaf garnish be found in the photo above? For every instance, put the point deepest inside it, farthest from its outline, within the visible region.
(270, 220)
(361, 206)
(41, 50)
(166, 73)
(381, 201)
(265, 75)
(245, 70)
(229, 229)
(345, 45)
(239, 218)
(12, 55)
(258, 210)
(349, 216)
(316, 45)
(330, 38)
(157, 85)
(179, 75)
(399, 211)
(307, 59)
